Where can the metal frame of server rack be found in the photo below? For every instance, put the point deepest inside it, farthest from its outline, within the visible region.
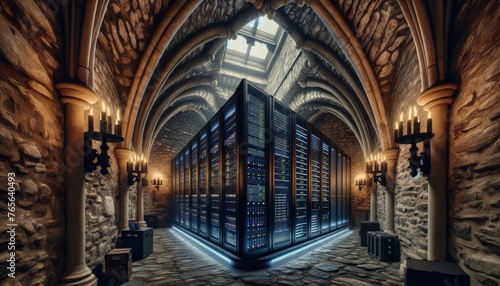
(187, 198)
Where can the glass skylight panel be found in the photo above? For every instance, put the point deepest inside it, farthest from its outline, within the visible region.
(267, 28)
(259, 51)
(238, 46)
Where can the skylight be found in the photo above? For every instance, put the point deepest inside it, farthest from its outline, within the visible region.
(254, 47)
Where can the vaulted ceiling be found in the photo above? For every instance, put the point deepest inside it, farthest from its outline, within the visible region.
(336, 57)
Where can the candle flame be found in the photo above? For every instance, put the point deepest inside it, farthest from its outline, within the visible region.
(109, 112)
(414, 110)
(401, 117)
(118, 115)
(429, 114)
(396, 126)
(103, 106)
(90, 111)
(409, 113)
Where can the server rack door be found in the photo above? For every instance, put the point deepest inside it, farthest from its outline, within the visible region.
(214, 200)
(333, 188)
(325, 186)
(301, 180)
(282, 183)
(203, 182)
(176, 190)
(256, 172)
(181, 188)
(194, 186)
(339, 190)
(187, 186)
(230, 175)
(344, 190)
(315, 183)
(349, 183)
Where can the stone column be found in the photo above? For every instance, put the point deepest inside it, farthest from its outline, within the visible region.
(123, 155)
(373, 202)
(392, 157)
(436, 100)
(76, 98)
(140, 205)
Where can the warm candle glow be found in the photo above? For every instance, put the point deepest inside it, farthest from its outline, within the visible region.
(409, 113)
(429, 115)
(401, 117)
(414, 110)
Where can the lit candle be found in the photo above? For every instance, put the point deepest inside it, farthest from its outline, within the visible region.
(396, 131)
(408, 123)
(109, 123)
(416, 121)
(102, 122)
(367, 165)
(145, 166)
(91, 121)
(118, 126)
(401, 125)
(429, 123)
(136, 164)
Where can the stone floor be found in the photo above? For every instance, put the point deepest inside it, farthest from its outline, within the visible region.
(341, 261)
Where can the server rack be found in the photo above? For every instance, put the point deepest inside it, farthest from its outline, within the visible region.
(203, 166)
(258, 179)
(282, 177)
(193, 196)
(301, 180)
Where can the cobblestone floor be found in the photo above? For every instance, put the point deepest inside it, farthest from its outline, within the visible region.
(341, 261)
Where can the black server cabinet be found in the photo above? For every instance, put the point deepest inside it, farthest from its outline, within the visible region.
(214, 196)
(193, 212)
(325, 186)
(187, 188)
(258, 179)
(256, 139)
(282, 178)
(230, 161)
(175, 186)
(333, 188)
(315, 205)
(301, 180)
(203, 187)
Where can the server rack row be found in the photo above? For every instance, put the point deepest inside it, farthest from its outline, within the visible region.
(258, 178)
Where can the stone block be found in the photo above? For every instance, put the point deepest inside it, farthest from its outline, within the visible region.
(462, 230)
(483, 263)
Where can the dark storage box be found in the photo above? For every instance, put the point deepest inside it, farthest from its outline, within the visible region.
(367, 226)
(119, 264)
(371, 242)
(386, 247)
(151, 220)
(422, 272)
(140, 240)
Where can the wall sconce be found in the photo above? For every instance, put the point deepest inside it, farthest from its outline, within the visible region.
(136, 167)
(378, 167)
(423, 160)
(91, 158)
(360, 183)
(157, 182)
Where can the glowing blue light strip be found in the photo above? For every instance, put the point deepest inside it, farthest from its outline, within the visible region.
(308, 246)
(204, 246)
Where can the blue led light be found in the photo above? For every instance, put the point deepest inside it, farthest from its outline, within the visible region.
(336, 235)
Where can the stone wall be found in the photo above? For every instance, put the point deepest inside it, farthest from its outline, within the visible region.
(31, 142)
(474, 173)
(159, 202)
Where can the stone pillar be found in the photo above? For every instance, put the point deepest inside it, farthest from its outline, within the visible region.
(373, 202)
(436, 100)
(76, 98)
(392, 157)
(123, 155)
(140, 205)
